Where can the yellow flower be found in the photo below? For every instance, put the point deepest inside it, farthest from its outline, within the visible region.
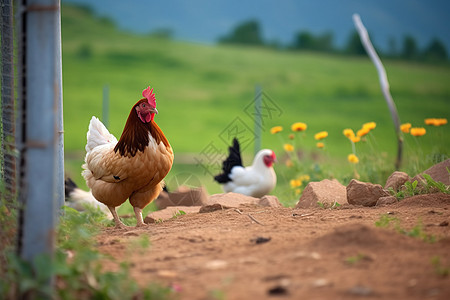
(418, 131)
(405, 127)
(297, 192)
(320, 145)
(295, 183)
(430, 121)
(304, 177)
(288, 147)
(441, 121)
(363, 131)
(355, 139)
(299, 126)
(370, 125)
(353, 158)
(348, 133)
(436, 122)
(321, 135)
(276, 129)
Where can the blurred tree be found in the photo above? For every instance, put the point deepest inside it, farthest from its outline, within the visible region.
(392, 47)
(304, 40)
(354, 45)
(248, 33)
(409, 49)
(435, 51)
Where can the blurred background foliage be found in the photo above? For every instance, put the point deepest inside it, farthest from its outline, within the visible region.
(202, 89)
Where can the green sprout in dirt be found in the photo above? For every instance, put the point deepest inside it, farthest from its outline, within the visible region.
(417, 231)
(438, 268)
(178, 213)
(325, 205)
(428, 186)
(353, 260)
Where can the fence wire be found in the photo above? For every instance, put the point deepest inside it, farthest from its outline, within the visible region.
(8, 150)
(9, 154)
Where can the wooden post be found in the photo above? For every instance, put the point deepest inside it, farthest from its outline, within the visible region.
(384, 84)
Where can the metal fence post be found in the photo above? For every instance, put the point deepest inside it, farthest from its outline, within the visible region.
(42, 134)
(105, 106)
(258, 118)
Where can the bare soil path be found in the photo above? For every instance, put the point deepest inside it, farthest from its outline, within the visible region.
(285, 253)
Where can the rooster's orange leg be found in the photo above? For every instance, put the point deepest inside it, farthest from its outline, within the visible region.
(117, 221)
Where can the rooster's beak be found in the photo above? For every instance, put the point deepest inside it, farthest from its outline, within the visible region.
(154, 111)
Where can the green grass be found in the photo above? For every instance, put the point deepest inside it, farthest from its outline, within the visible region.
(201, 89)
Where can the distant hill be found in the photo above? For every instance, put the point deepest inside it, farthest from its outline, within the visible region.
(205, 21)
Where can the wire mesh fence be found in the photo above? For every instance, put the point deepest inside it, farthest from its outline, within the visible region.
(9, 153)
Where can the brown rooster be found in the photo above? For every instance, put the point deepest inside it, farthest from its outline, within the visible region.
(133, 167)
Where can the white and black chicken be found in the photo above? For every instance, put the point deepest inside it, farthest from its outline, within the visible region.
(257, 180)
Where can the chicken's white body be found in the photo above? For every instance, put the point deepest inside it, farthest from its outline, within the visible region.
(79, 200)
(257, 180)
(251, 181)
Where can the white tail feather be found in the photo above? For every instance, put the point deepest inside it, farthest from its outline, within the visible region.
(98, 135)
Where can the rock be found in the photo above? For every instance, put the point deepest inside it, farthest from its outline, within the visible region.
(278, 290)
(326, 191)
(321, 282)
(183, 196)
(359, 290)
(439, 172)
(216, 264)
(169, 213)
(363, 193)
(211, 208)
(396, 180)
(386, 200)
(234, 200)
(269, 201)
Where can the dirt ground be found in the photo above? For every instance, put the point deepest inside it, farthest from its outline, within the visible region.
(286, 253)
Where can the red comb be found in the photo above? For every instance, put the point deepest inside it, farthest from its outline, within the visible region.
(148, 93)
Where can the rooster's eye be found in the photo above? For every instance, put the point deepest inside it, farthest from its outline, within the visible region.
(143, 105)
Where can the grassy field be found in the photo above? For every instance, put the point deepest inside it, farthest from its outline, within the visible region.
(204, 92)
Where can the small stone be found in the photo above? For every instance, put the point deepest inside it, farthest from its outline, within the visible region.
(167, 274)
(439, 172)
(216, 264)
(260, 240)
(386, 200)
(360, 290)
(412, 282)
(443, 223)
(211, 208)
(278, 290)
(364, 193)
(325, 191)
(269, 201)
(169, 213)
(183, 196)
(396, 180)
(321, 282)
